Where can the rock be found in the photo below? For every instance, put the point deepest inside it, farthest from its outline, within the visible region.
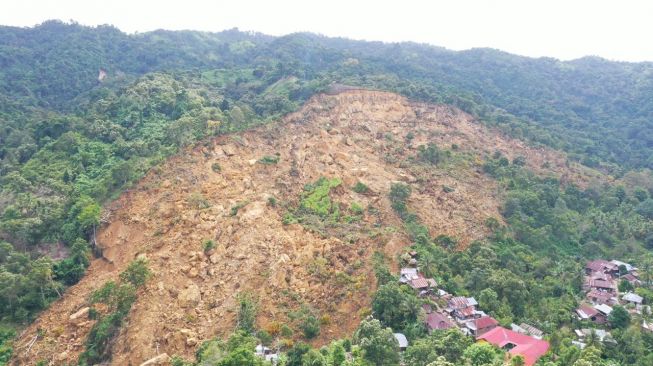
(214, 258)
(193, 272)
(161, 359)
(63, 356)
(80, 315)
(190, 296)
(229, 150)
(190, 342)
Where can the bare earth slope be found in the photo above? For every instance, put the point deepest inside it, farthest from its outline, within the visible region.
(354, 136)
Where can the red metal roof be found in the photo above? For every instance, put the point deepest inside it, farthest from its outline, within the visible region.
(419, 283)
(588, 310)
(458, 302)
(485, 321)
(438, 321)
(530, 348)
(466, 312)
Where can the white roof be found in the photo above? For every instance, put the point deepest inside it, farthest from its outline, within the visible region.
(631, 297)
(261, 349)
(629, 268)
(408, 271)
(471, 301)
(605, 309)
(600, 333)
(403, 342)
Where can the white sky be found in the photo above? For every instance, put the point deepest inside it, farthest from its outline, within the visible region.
(565, 29)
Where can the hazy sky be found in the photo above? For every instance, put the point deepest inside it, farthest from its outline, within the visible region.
(566, 29)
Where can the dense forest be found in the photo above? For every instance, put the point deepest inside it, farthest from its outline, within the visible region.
(70, 141)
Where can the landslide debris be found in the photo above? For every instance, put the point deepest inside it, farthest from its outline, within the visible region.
(275, 231)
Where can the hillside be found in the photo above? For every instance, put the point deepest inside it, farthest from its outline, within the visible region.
(216, 190)
(600, 111)
(355, 136)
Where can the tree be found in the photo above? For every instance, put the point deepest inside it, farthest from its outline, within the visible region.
(247, 310)
(619, 317)
(625, 286)
(479, 354)
(379, 345)
(136, 273)
(517, 360)
(313, 358)
(394, 307)
(441, 361)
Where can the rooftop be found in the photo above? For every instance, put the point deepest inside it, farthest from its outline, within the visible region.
(529, 347)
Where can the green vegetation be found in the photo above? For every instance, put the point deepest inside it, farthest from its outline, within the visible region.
(316, 198)
(247, 310)
(208, 245)
(361, 188)
(118, 298)
(69, 143)
(269, 160)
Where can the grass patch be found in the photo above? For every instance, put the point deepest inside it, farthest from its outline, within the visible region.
(269, 160)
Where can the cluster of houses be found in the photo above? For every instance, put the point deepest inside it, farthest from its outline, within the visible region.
(601, 287)
(449, 311)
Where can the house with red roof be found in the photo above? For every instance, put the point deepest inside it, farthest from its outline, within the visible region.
(481, 325)
(516, 344)
(588, 312)
(438, 321)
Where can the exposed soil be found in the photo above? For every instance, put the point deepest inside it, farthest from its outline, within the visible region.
(355, 136)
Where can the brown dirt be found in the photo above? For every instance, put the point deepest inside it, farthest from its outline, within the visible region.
(355, 136)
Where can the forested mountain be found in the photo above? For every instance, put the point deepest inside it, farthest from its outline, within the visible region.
(599, 109)
(85, 112)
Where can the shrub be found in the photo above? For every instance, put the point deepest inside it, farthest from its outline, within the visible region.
(269, 160)
(216, 167)
(235, 209)
(136, 273)
(310, 326)
(356, 208)
(208, 245)
(198, 201)
(272, 202)
(361, 188)
(285, 331)
(316, 197)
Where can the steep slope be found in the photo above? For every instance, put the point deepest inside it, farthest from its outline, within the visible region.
(355, 136)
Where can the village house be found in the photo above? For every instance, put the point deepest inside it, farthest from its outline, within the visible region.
(423, 285)
(601, 297)
(266, 353)
(602, 335)
(631, 298)
(481, 325)
(407, 274)
(438, 321)
(629, 268)
(527, 329)
(601, 266)
(401, 339)
(516, 344)
(588, 312)
(632, 279)
(601, 284)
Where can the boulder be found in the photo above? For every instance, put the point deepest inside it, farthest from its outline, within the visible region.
(161, 359)
(80, 315)
(190, 296)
